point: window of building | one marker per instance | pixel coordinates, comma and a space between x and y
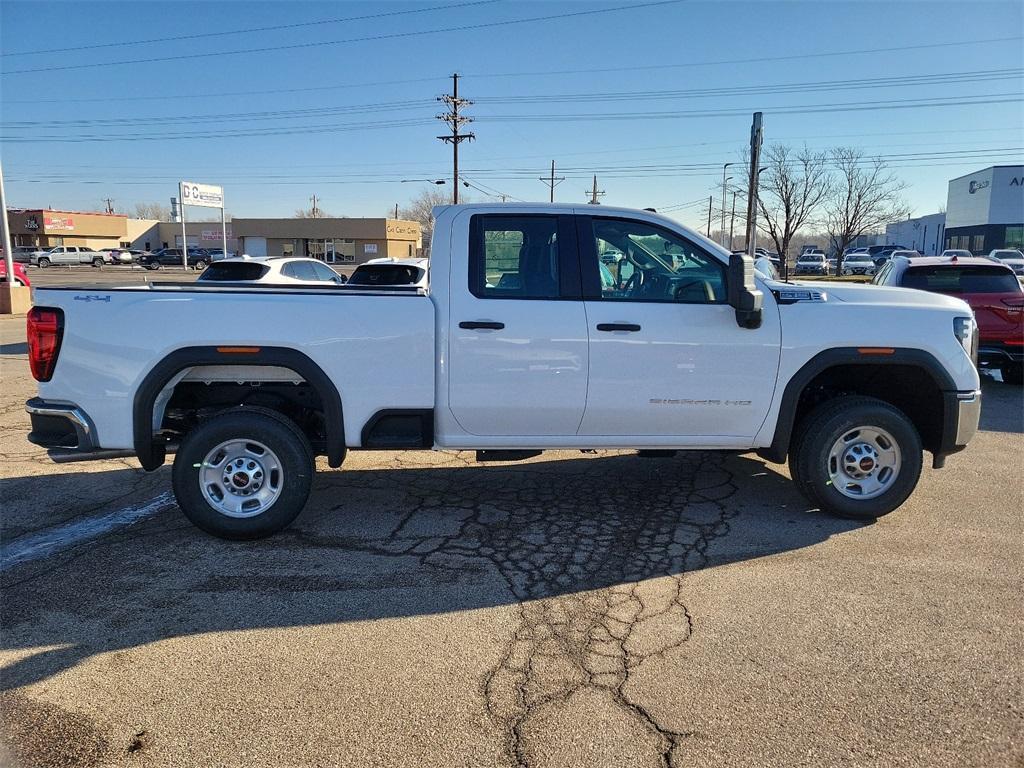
514, 257
288, 249
977, 243
1014, 237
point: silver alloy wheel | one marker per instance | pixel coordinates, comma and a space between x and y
864, 462
241, 478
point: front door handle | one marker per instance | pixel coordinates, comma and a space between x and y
631, 327
481, 325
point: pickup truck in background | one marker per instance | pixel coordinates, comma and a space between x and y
522, 341
69, 254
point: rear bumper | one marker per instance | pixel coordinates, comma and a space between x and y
66, 432
997, 353
961, 414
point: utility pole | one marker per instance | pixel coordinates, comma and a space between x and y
396, 210
314, 212
732, 219
724, 180
711, 204
110, 205
552, 182
756, 138
454, 121
14, 299
594, 194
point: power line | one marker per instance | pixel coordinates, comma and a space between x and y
364, 39
945, 78
250, 30
756, 60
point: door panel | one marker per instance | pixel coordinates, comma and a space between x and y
667, 357
517, 340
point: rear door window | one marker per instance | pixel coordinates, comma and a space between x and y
514, 257
966, 279
228, 272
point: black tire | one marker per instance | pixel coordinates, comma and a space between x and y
154, 266
1013, 373
823, 426
274, 431
43, 262
200, 264
98, 261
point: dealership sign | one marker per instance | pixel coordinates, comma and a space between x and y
205, 195
59, 222
215, 234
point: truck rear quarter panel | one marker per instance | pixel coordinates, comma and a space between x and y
377, 349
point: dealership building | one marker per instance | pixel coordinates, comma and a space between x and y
985, 209
344, 241
925, 234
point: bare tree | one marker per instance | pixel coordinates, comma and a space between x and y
308, 213
157, 211
421, 209
792, 189
867, 196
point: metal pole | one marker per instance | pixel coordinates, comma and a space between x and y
184, 234
732, 220
8, 255
723, 203
711, 203
223, 227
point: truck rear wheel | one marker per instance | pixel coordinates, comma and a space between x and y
856, 457
244, 474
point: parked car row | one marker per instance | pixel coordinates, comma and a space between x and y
80, 254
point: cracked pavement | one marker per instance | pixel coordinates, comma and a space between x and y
570, 610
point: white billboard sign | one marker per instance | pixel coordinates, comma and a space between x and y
206, 195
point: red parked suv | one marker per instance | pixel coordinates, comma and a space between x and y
992, 290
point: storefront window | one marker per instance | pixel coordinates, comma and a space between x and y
978, 243
1014, 237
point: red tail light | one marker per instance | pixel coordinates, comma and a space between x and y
45, 332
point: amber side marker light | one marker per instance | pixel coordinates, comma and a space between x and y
876, 350
238, 350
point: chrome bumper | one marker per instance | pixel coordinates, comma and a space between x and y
968, 416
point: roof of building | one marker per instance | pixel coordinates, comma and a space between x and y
986, 168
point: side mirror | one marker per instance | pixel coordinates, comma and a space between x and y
744, 296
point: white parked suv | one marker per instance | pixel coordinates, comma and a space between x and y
381, 272
1011, 257
274, 271
522, 341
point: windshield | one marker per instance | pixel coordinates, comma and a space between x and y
812, 257
941, 278
1009, 255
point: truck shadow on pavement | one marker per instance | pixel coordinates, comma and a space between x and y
585, 548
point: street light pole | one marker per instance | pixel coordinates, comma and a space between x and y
724, 180
14, 300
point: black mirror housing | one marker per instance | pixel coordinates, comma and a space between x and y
744, 295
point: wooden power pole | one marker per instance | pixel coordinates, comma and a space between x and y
552, 182
594, 194
455, 120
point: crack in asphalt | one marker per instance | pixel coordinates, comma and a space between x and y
595, 561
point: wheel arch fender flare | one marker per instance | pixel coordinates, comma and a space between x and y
842, 356
152, 454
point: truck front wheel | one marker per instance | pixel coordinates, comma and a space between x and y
856, 457
244, 474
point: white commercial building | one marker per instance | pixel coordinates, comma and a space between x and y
923, 234
985, 209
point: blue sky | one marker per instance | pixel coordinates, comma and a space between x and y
346, 148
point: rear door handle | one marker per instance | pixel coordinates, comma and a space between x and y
631, 327
481, 325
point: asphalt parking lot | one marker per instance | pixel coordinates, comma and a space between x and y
571, 610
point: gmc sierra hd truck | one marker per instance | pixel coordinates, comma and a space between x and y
541, 327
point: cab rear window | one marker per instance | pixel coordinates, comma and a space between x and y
966, 279
231, 271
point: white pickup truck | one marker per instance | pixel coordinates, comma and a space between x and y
524, 340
